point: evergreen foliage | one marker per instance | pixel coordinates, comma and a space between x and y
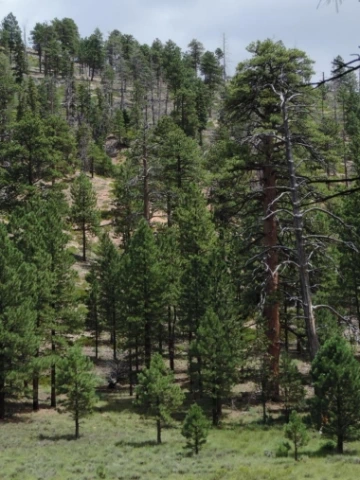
229, 230
336, 378
18, 340
78, 383
295, 431
83, 210
291, 387
195, 428
158, 393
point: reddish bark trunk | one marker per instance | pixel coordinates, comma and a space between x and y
271, 307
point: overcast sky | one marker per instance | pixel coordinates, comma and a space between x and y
321, 32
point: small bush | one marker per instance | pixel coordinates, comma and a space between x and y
101, 471
282, 450
328, 447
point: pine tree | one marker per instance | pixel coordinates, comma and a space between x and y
83, 210
27, 229
94, 321
158, 393
196, 239
30, 149
18, 341
180, 163
336, 379
62, 144
217, 345
168, 244
20, 67
195, 428
94, 52
211, 69
109, 282
127, 203
38, 37
78, 382
295, 431
291, 387
144, 295
9, 34
7, 92
196, 50
39, 230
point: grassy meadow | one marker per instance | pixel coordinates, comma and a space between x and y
117, 443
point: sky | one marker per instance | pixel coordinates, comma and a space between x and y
321, 32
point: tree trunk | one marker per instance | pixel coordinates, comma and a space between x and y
77, 426
286, 319
158, 427
166, 100
161, 335
137, 361
302, 258
130, 374
2, 399
216, 408
219, 407
53, 371
114, 334
146, 197
147, 343
84, 240
171, 340
96, 332
159, 97
36, 392
30, 172
296, 451
35, 382
340, 444
271, 308
264, 410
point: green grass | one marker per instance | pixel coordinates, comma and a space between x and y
117, 443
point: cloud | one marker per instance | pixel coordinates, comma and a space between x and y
321, 32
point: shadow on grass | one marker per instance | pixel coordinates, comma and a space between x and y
144, 443
21, 411
56, 438
79, 258
324, 452
114, 402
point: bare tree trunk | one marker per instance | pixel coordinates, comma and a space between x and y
271, 307
302, 258
166, 100
159, 97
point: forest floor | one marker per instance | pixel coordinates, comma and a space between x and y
117, 443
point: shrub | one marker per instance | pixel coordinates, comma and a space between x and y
282, 450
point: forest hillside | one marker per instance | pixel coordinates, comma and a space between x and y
179, 256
